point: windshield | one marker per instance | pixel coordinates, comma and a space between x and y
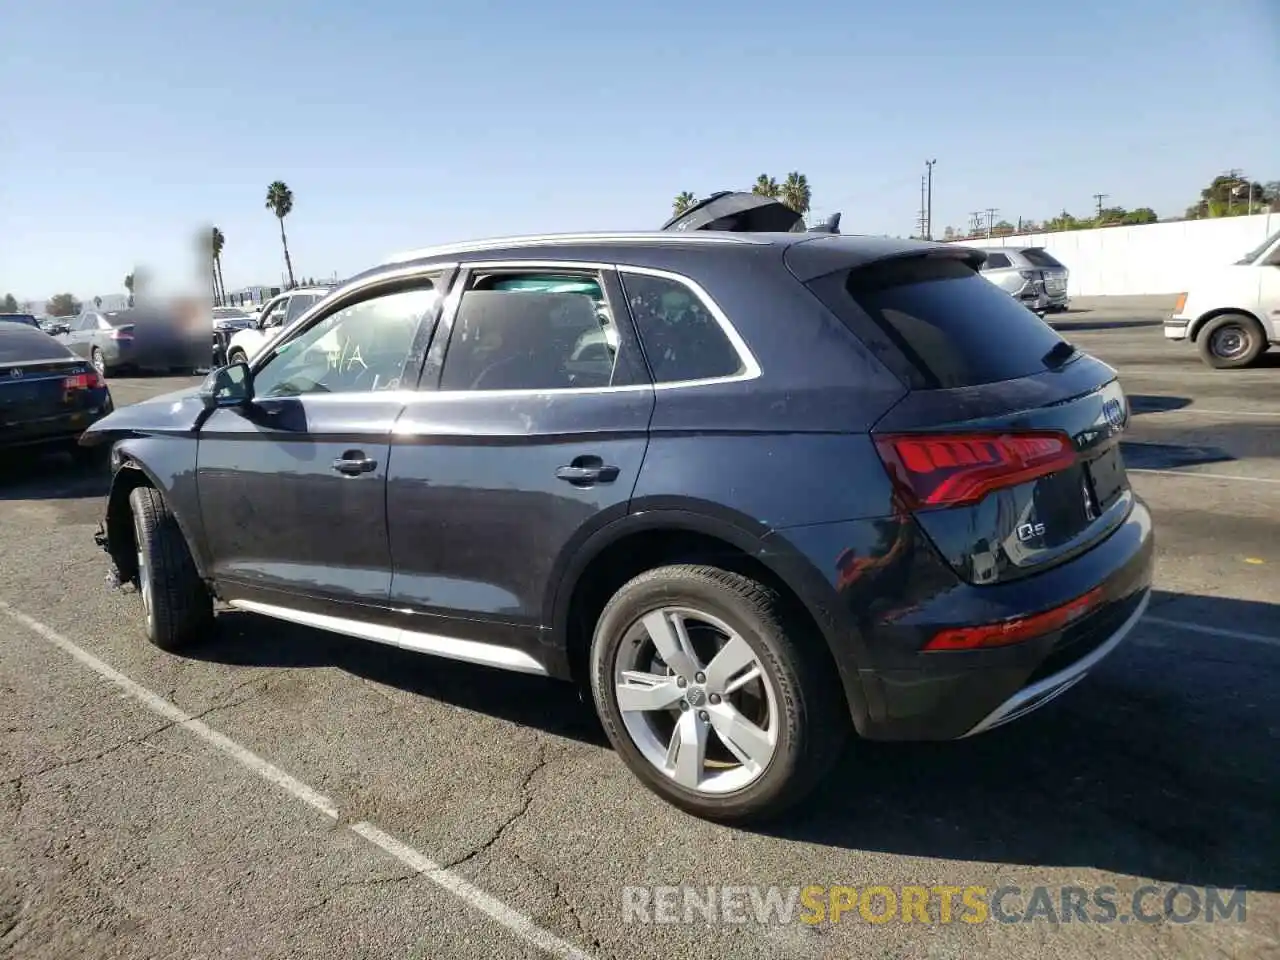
1259, 250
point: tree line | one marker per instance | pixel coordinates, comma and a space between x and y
1230, 194
793, 191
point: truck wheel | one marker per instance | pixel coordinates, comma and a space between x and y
178, 608
237, 356
713, 696
1232, 341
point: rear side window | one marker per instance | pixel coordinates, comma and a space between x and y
680, 336
996, 261
1039, 257
298, 304
944, 325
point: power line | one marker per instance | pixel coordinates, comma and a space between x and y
928, 209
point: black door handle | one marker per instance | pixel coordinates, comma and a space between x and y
354, 462
584, 471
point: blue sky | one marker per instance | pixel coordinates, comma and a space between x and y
127, 125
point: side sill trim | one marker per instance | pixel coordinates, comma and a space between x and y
468, 651
1038, 694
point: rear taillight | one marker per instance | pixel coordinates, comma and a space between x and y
82, 381
951, 470
1008, 632
121, 333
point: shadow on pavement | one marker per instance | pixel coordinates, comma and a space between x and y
1154, 403
1067, 326
1162, 764
51, 476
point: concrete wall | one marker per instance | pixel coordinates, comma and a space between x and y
1153, 258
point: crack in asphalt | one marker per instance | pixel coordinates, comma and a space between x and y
309, 908
526, 798
22, 779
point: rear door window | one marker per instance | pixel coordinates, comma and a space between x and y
298, 305
996, 261
937, 323
681, 338
1039, 257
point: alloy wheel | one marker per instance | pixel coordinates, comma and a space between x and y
696, 700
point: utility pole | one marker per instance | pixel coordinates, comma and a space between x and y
991, 219
975, 221
920, 220
1100, 197
928, 221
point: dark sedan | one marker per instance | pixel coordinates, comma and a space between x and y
24, 318
48, 395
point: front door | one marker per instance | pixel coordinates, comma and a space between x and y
293, 486
528, 433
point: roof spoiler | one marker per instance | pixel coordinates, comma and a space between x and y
829, 225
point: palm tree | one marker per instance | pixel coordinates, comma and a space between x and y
217, 241
765, 186
795, 192
128, 285
684, 201
280, 202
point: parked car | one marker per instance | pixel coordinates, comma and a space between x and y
48, 396
1031, 275
231, 318
750, 489
1232, 313
239, 345
139, 338
24, 318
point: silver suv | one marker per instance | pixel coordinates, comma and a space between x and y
1030, 274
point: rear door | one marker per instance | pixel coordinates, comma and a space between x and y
995, 394
527, 434
293, 487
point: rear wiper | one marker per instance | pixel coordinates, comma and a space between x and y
1062, 352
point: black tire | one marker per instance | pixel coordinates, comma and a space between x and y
237, 356
811, 718
1232, 341
99, 362
178, 607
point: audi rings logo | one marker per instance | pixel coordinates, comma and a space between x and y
1113, 411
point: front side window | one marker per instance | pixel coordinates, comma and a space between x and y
531, 332
274, 316
359, 349
682, 340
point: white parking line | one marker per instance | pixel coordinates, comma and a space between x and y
1274, 415
1205, 476
516, 922
1213, 631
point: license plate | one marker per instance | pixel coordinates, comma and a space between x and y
1107, 476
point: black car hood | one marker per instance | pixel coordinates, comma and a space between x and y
177, 412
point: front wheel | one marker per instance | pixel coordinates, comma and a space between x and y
715, 698
1232, 341
178, 608
237, 356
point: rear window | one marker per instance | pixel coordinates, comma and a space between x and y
938, 324
23, 343
26, 318
1039, 257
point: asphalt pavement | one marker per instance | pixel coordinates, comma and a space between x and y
285, 793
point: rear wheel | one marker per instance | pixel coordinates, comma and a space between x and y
237, 356
99, 361
1232, 341
711, 695
178, 608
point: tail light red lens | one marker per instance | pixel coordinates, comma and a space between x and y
83, 381
950, 470
121, 333
1009, 632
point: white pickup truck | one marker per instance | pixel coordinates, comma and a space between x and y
278, 312
1232, 312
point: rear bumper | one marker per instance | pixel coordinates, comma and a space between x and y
62, 428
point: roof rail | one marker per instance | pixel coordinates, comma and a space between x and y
556, 239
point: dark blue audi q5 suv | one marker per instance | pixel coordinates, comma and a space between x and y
753, 490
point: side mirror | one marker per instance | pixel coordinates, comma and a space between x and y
230, 386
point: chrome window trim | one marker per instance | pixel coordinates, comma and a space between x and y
751, 369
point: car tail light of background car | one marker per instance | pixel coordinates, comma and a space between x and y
122, 333
83, 381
